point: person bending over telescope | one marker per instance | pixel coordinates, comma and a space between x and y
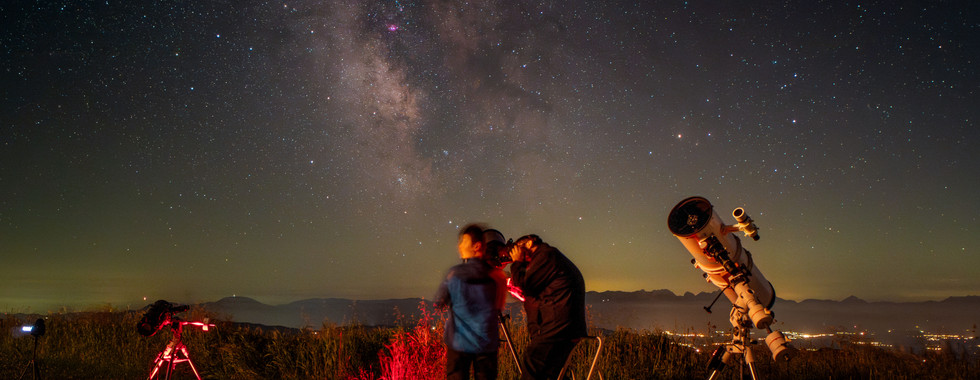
474, 292
554, 293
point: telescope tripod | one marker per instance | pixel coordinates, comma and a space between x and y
778, 345
32, 365
738, 346
175, 353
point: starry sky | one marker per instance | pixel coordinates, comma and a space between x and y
195, 150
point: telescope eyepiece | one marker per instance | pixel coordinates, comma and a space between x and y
739, 214
745, 223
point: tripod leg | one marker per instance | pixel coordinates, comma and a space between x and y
510, 344
595, 359
717, 361
187, 358
30, 366
162, 357
750, 361
171, 365
156, 367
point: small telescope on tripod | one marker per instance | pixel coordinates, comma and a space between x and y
158, 316
728, 265
36, 330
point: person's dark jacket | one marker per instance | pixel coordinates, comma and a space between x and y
554, 292
471, 294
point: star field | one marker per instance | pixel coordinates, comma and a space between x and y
306, 149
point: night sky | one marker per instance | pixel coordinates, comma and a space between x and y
196, 150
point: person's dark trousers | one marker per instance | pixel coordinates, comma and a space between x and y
458, 365
544, 360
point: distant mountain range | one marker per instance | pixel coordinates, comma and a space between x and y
665, 310
640, 310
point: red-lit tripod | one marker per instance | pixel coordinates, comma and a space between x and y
519, 295
176, 352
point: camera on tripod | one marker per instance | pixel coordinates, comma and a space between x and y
160, 314
36, 330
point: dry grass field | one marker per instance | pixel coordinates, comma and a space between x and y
106, 345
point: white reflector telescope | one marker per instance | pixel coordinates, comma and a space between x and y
720, 254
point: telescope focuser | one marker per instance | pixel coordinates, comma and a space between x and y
717, 251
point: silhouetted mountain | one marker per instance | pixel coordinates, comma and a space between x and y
316, 312
639, 310
853, 299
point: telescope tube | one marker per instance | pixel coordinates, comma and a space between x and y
694, 222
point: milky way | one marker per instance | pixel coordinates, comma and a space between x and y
307, 149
